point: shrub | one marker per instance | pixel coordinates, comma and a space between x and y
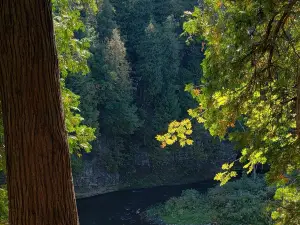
241, 202
189, 208
3, 206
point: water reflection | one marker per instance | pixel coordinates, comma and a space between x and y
124, 207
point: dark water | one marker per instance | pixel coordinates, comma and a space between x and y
123, 207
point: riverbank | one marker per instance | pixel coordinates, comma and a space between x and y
94, 190
238, 202
126, 206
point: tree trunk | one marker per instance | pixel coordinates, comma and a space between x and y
39, 179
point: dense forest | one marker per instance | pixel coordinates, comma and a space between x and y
158, 92
138, 71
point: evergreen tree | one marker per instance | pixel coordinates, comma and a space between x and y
110, 89
132, 18
118, 114
167, 104
149, 69
160, 65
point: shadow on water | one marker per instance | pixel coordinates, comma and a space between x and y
124, 207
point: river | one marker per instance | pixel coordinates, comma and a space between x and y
124, 207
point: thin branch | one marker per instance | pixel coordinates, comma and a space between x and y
290, 43
289, 100
242, 126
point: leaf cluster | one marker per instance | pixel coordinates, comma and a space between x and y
249, 89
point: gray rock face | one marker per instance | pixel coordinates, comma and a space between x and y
161, 168
95, 180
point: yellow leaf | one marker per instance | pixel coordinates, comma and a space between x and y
200, 120
159, 137
188, 125
189, 132
247, 165
225, 166
169, 142
182, 143
196, 92
163, 145
189, 142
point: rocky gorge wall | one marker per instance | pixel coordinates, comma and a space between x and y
154, 169
94, 179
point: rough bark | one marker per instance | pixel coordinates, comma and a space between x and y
39, 179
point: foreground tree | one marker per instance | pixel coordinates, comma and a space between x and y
250, 90
39, 180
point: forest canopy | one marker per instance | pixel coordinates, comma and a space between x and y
125, 69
